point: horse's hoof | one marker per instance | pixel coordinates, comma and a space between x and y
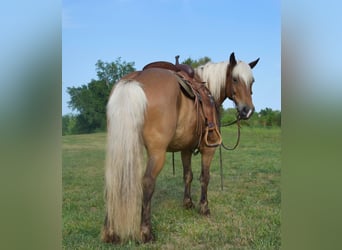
204, 210
188, 204
146, 235
110, 238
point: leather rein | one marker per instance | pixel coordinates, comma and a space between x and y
237, 121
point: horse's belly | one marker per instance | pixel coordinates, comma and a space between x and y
185, 137
184, 142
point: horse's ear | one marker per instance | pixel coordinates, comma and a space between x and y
252, 64
232, 60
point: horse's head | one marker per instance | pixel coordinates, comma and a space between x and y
239, 82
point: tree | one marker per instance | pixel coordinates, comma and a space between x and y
112, 72
68, 124
196, 63
90, 100
268, 117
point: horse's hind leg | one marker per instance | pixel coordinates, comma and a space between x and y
207, 156
187, 176
107, 235
155, 164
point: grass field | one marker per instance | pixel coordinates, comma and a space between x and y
245, 215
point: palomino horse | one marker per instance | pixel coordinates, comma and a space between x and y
147, 109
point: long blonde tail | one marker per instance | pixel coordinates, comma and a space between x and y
125, 159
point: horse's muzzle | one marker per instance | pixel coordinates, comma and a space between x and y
245, 112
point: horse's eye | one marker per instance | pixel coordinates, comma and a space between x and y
235, 79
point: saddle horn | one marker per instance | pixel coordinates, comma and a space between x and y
177, 58
184, 67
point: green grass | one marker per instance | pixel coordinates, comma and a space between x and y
245, 215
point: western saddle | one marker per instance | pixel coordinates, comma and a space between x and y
193, 88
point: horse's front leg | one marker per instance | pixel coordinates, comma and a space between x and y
187, 177
207, 156
154, 165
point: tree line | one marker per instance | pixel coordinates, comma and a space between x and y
90, 100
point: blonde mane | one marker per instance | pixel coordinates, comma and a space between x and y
214, 74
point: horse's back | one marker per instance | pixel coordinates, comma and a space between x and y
161, 87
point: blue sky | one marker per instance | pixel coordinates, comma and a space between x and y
146, 31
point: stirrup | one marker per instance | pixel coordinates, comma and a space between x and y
214, 130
